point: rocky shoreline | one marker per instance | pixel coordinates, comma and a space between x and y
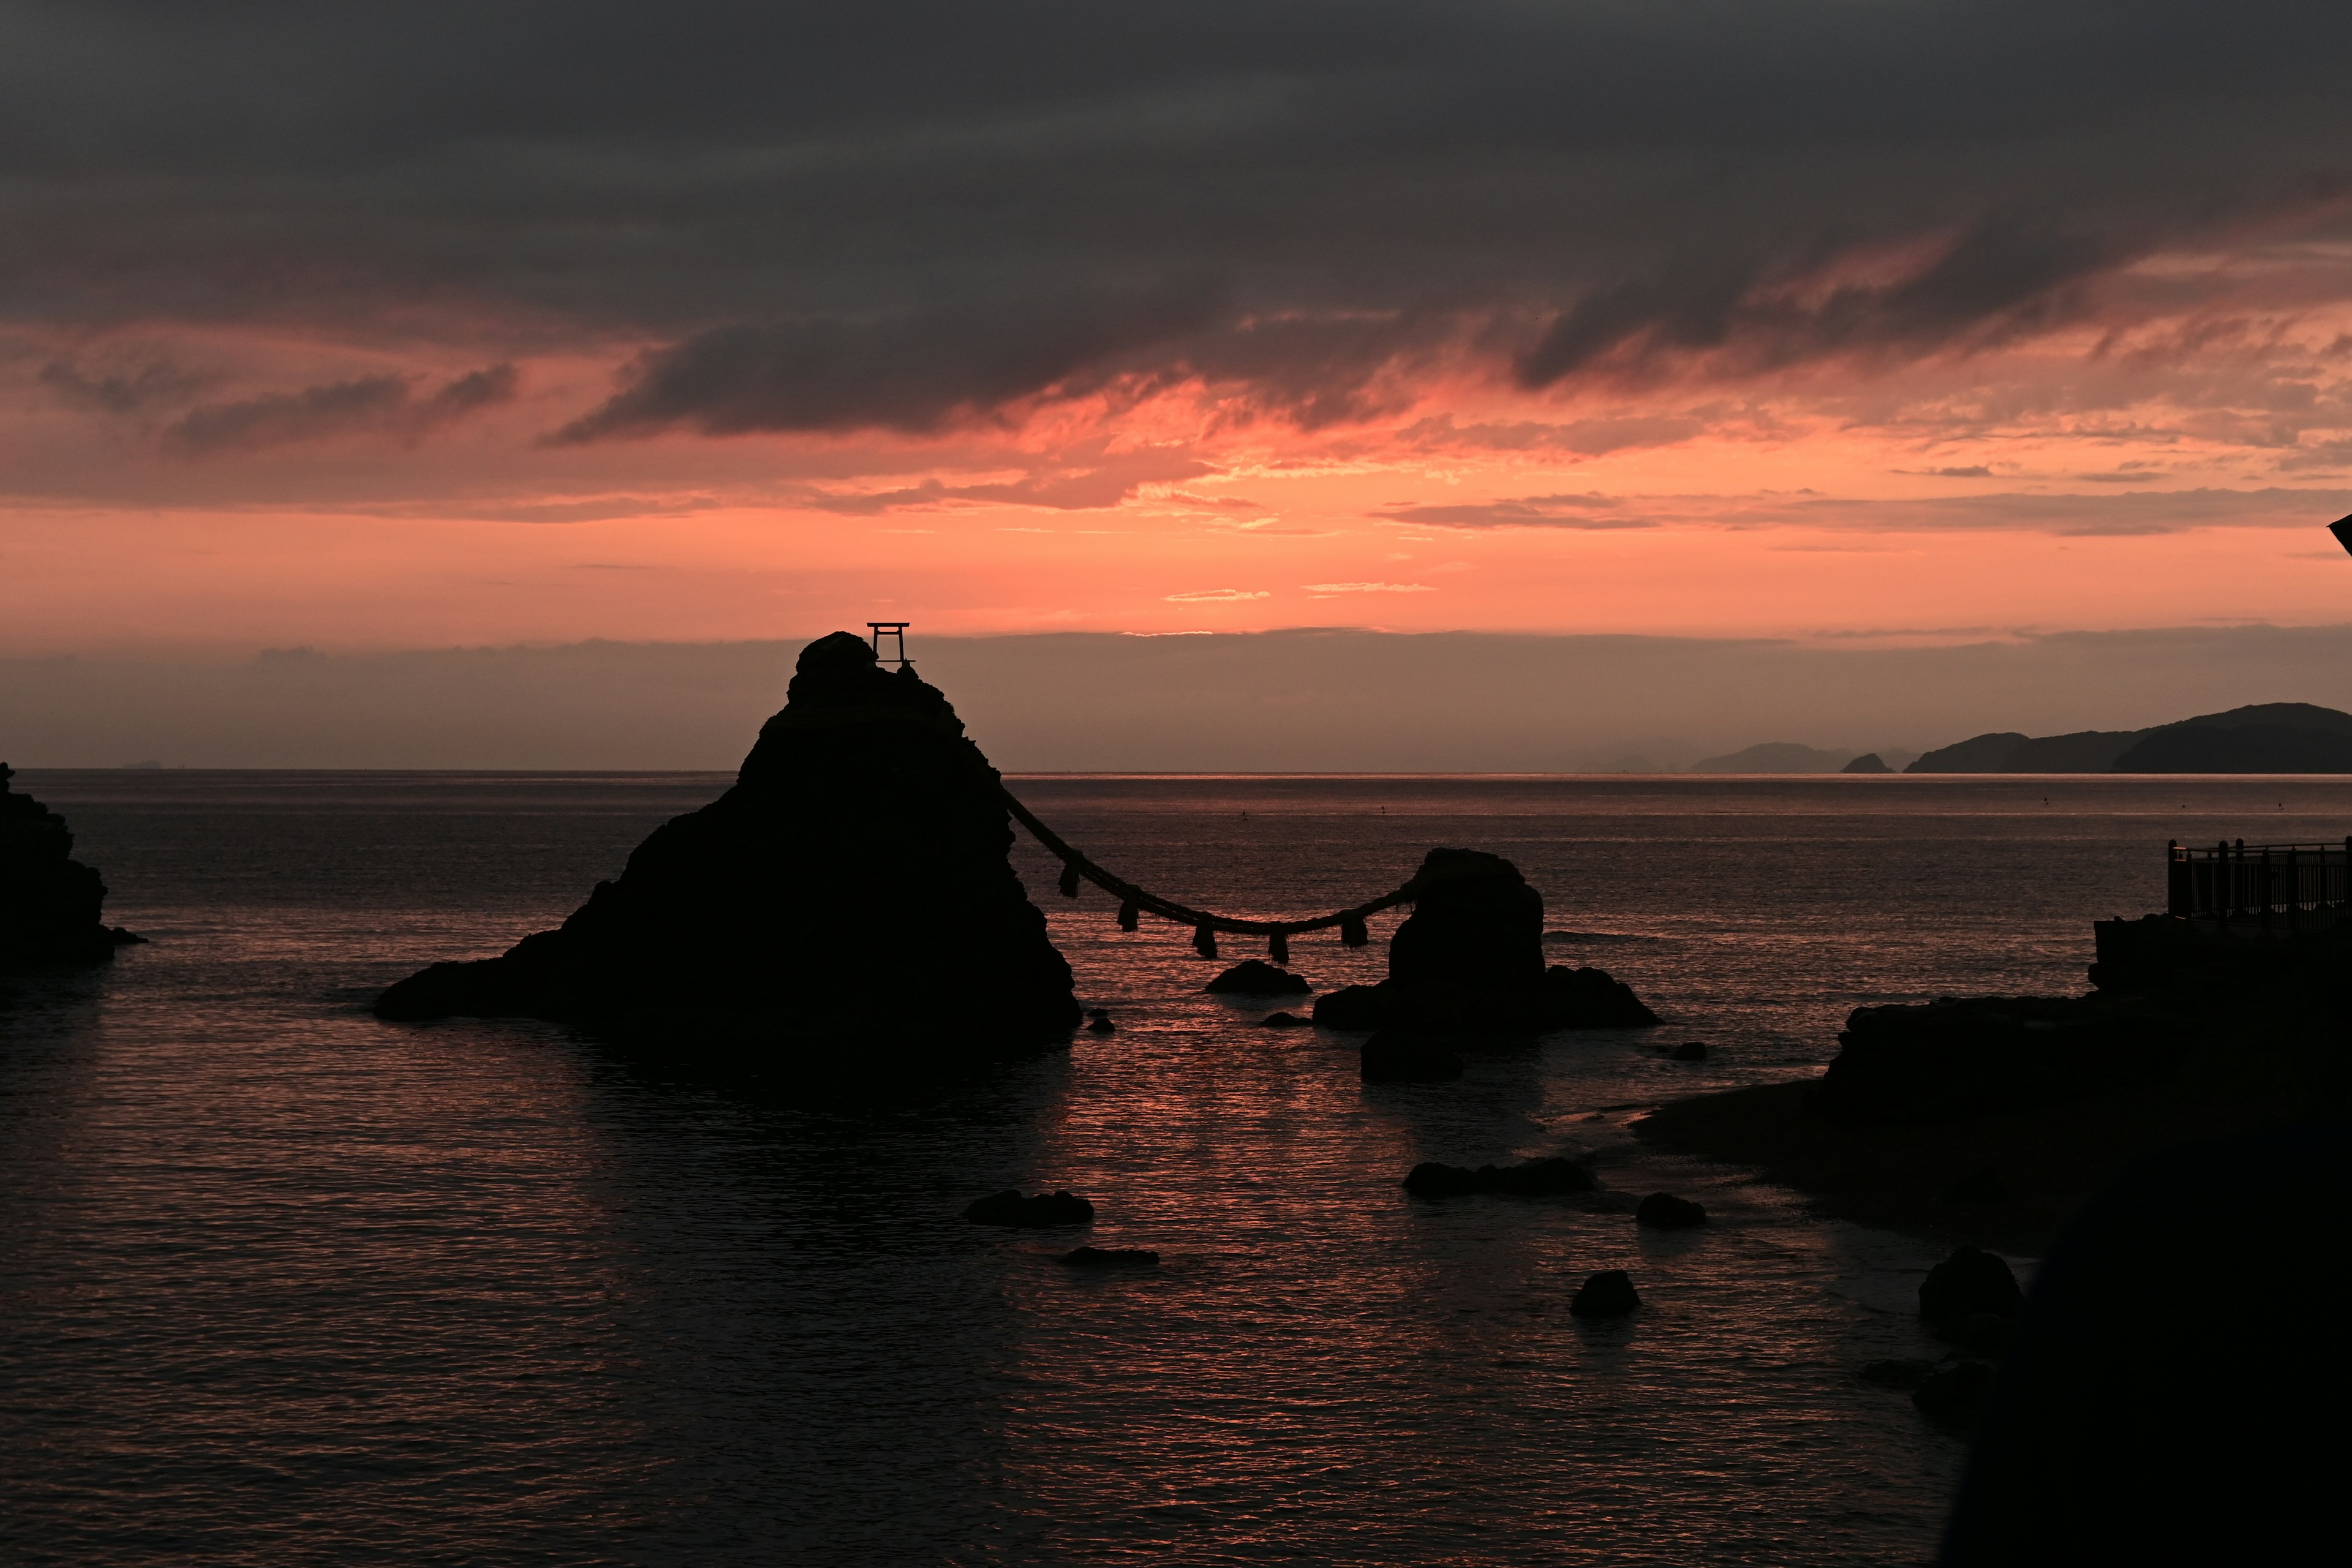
1994, 1120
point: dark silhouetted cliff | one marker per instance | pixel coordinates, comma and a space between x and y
852, 889
49, 902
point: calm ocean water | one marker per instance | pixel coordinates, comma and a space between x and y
279, 1283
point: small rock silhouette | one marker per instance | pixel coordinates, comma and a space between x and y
1689, 1051
1098, 1022
1111, 1258
1256, 977
1663, 1211
1970, 1280
1608, 1294
1284, 1021
1010, 1207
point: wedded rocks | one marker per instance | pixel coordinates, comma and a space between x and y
1663, 1211
1608, 1294
1970, 1281
49, 902
1469, 960
1256, 977
859, 864
1010, 1208
1532, 1178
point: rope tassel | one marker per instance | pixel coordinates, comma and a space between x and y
1204, 940
1130, 915
1069, 882
1277, 948
1352, 933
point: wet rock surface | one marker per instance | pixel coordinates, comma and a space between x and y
1665, 1210
1256, 977
50, 903
775, 918
1608, 1294
1533, 1178
1010, 1208
1469, 959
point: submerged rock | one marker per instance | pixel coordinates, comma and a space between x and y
1256, 977
1011, 1208
1111, 1258
49, 902
1608, 1294
1663, 1211
1469, 959
1284, 1021
1398, 1056
860, 859
1970, 1281
1533, 1178
1098, 1022
1689, 1051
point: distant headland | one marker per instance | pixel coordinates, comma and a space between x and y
2261, 738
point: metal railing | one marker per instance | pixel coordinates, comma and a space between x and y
2257, 882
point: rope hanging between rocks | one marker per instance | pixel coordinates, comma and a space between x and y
1133, 900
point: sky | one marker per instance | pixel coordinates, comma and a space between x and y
1885, 322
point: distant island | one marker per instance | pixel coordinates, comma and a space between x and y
2261, 738
1788, 757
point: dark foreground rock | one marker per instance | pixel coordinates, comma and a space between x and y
1971, 1281
1256, 977
1013, 1208
1469, 959
850, 898
1943, 1060
1663, 1211
1906, 1373
1402, 1055
1534, 1178
49, 902
1610, 1294
1958, 1394
1111, 1258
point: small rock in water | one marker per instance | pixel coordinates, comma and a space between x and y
1955, 1393
1905, 1374
1393, 1056
1284, 1021
1536, 1178
1608, 1294
1010, 1208
1970, 1280
1256, 977
1111, 1258
1981, 1186
1663, 1211
1689, 1051
1098, 1022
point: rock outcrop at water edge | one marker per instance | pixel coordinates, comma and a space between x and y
1469, 959
850, 895
49, 902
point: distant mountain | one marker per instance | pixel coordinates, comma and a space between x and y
2261, 738
1775, 757
1868, 763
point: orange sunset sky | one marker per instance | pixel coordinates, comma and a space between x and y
1855, 321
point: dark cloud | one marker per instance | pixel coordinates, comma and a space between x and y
373, 405
1586, 511
137, 389
2131, 512
842, 216
1078, 481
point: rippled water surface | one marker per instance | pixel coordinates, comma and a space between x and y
279, 1283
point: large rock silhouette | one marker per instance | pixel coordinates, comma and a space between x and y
1469, 959
853, 887
49, 902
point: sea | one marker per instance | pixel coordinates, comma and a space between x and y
281, 1283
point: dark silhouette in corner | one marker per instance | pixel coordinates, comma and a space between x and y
783, 914
49, 902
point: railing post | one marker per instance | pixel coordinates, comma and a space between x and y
2177, 892
2294, 887
2262, 885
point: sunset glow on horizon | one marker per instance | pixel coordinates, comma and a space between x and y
1934, 372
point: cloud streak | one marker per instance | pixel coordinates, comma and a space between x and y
384, 406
